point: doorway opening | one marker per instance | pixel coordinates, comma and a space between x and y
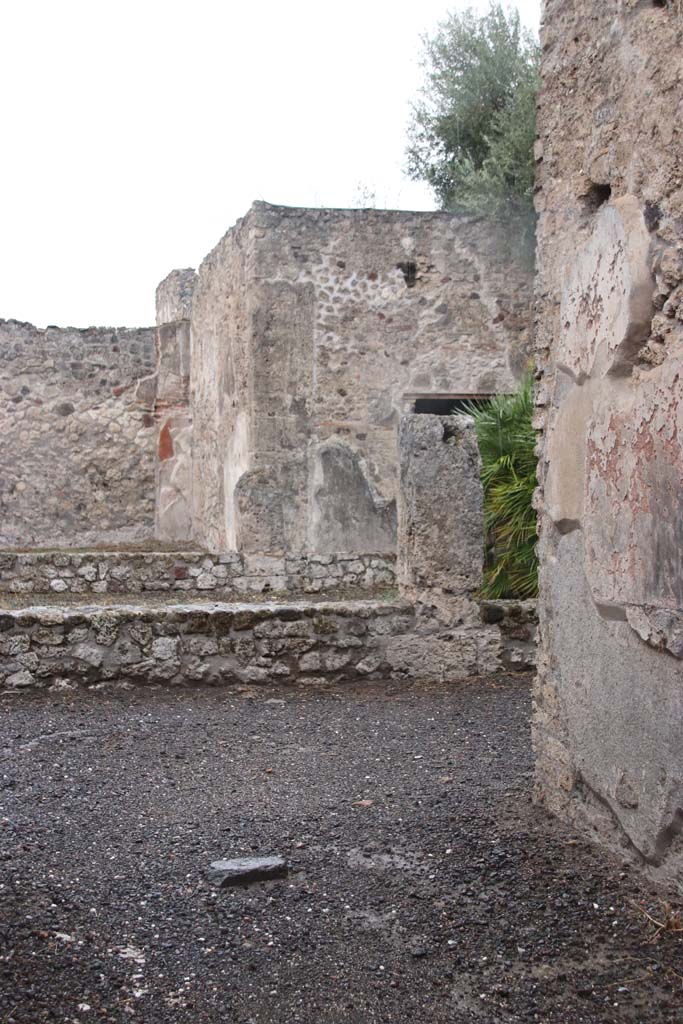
446, 405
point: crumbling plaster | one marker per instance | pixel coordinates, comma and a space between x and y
609, 696
310, 330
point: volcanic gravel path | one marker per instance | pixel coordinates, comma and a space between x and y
424, 885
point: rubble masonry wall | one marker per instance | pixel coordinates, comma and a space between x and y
78, 442
225, 577
311, 330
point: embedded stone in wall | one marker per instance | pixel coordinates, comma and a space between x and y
217, 644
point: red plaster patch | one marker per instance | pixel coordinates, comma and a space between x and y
165, 443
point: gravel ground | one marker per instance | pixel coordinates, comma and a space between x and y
424, 885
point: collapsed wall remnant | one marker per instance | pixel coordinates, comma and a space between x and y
312, 331
609, 697
77, 454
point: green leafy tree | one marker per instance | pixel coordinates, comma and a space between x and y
472, 132
507, 443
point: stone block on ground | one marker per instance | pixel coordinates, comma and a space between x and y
243, 870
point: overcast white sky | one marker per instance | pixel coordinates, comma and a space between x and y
135, 132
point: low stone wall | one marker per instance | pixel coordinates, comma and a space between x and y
217, 644
518, 624
227, 576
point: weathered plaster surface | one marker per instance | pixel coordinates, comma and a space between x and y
77, 452
173, 513
311, 329
609, 698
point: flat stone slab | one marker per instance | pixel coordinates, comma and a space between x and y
242, 870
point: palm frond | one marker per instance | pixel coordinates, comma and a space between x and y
507, 443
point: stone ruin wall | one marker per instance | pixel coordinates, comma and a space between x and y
310, 331
77, 459
247, 450
609, 697
433, 631
262, 415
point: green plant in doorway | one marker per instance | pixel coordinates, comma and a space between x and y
507, 443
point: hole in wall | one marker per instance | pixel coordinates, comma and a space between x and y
409, 271
660, 3
596, 197
653, 216
447, 405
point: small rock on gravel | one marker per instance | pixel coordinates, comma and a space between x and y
242, 870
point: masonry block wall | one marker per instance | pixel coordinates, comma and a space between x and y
609, 699
77, 457
312, 331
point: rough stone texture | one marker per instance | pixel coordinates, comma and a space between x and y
441, 550
186, 573
312, 331
77, 453
138, 641
434, 633
212, 643
441, 538
609, 698
518, 624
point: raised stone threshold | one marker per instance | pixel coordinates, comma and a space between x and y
226, 576
317, 642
